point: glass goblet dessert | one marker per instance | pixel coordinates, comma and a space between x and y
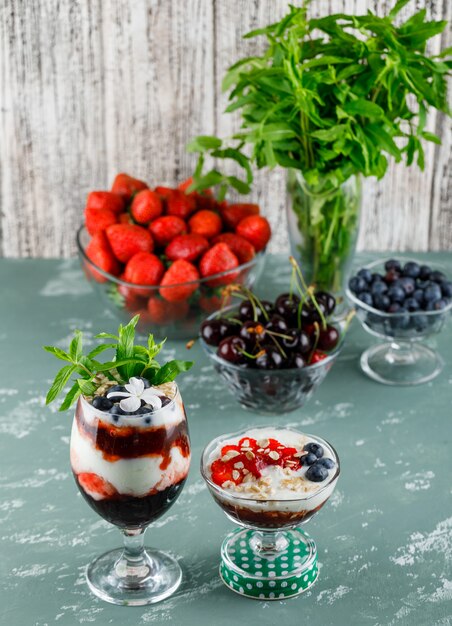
130, 456
269, 481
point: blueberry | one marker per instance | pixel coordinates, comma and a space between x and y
165, 400
418, 294
378, 288
115, 388
308, 459
102, 403
411, 269
408, 285
422, 284
366, 274
396, 294
432, 292
393, 264
143, 410
424, 272
411, 304
382, 302
116, 410
357, 284
420, 322
325, 462
437, 277
401, 320
436, 305
315, 448
147, 384
366, 297
376, 277
446, 288
317, 473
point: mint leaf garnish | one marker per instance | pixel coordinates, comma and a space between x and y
129, 360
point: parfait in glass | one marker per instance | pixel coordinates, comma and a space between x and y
130, 456
269, 481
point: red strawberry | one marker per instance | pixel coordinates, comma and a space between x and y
179, 272
128, 239
95, 486
317, 356
134, 298
126, 186
146, 206
162, 312
187, 247
209, 304
97, 220
256, 230
144, 269
206, 223
180, 204
105, 200
185, 184
165, 228
242, 248
219, 259
232, 214
99, 252
164, 192
124, 218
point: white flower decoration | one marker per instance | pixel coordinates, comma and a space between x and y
135, 392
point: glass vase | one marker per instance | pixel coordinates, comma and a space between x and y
323, 222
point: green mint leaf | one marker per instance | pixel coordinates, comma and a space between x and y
170, 370
87, 387
59, 383
71, 397
60, 354
203, 143
106, 336
364, 108
75, 348
100, 349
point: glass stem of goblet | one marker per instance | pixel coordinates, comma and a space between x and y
134, 565
268, 542
401, 353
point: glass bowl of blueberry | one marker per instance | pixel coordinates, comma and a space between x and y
274, 355
404, 303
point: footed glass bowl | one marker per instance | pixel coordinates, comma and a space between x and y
402, 358
269, 557
271, 392
161, 316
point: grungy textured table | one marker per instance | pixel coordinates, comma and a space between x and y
384, 540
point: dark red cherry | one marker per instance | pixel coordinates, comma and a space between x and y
286, 306
327, 299
317, 357
252, 332
270, 359
231, 350
297, 361
277, 324
214, 331
328, 338
291, 339
305, 342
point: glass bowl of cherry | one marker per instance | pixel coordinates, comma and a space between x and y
274, 355
404, 303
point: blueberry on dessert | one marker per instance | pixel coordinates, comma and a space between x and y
294, 331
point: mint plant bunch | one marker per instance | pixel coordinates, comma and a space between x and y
331, 97
129, 361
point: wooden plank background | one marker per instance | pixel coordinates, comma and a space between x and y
88, 89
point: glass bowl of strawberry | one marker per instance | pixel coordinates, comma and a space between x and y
167, 253
274, 355
269, 481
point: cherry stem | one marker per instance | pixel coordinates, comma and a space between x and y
316, 341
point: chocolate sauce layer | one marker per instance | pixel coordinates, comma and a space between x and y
266, 519
129, 442
132, 512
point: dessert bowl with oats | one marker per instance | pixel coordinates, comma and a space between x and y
269, 481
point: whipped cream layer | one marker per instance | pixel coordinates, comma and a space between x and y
119, 469
278, 488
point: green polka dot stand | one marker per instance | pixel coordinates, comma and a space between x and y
284, 574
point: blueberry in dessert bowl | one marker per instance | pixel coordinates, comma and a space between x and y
130, 456
273, 355
402, 302
269, 481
